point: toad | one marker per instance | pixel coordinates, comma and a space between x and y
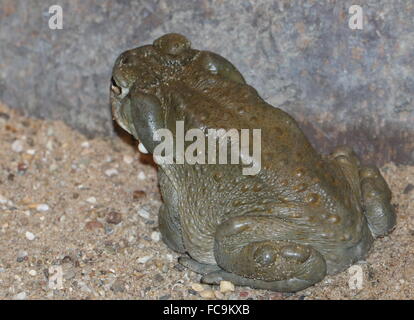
301, 217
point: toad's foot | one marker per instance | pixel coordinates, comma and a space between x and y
263, 264
370, 188
376, 198
196, 266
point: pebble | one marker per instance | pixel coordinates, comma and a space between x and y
30, 236
118, 286
31, 152
226, 286
94, 224
197, 287
277, 296
70, 274
21, 256
165, 297
143, 213
408, 273
4, 116
85, 144
192, 292
158, 278
42, 207
164, 268
49, 145
20, 296
408, 188
128, 159
108, 230
156, 236
114, 217
179, 267
66, 259
207, 294
218, 294
17, 146
138, 194
144, 259
33, 273
22, 167
111, 172
3, 200
84, 287
142, 176
91, 200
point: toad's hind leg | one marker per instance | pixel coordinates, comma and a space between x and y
248, 259
376, 197
370, 189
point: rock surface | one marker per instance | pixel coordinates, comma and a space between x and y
342, 85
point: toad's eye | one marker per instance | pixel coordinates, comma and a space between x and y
126, 60
115, 88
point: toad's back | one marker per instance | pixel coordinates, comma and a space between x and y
295, 183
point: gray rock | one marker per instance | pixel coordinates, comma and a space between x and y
342, 85
118, 286
70, 274
20, 296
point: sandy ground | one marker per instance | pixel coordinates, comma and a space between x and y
78, 220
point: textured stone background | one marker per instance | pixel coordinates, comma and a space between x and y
342, 85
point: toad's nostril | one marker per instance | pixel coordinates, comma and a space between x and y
115, 88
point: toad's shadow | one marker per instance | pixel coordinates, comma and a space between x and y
145, 159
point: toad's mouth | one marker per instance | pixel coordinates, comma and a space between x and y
121, 111
121, 107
